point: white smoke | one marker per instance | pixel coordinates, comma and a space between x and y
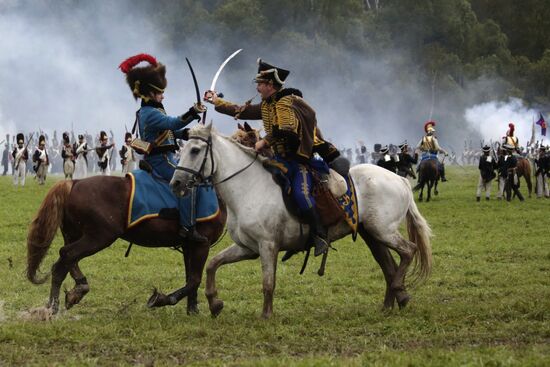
491, 120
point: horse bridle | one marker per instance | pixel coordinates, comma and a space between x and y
198, 176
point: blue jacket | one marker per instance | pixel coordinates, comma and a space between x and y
161, 130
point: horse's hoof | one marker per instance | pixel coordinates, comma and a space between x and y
158, 299
71, 299
193, 310
402, 300
388, 305
216, 307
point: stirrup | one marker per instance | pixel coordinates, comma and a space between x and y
191, 234
321, 246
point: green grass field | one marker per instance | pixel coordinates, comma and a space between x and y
487, 302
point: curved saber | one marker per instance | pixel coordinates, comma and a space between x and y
194, 81
213, 85
196, 89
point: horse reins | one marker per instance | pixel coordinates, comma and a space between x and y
199, 174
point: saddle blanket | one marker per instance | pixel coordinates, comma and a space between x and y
347, 202
149, 195
426, 156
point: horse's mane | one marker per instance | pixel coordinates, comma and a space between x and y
203, 132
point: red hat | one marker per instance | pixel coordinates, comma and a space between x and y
429, 126
143, 80
511, 129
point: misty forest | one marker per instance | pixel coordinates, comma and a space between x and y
382, 65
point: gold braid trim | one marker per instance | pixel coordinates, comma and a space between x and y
285, 117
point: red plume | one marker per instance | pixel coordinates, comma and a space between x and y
512, 127
427, 124
130, 62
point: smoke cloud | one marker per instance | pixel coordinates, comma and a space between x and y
490, 120
61, 73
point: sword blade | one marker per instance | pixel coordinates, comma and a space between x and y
194, 81
217, 75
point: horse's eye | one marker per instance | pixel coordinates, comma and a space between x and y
195, 151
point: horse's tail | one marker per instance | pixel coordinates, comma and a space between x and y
420, 233
44, 226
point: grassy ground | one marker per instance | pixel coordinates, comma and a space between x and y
486, 303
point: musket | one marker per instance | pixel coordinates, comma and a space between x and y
26, 146
199, 103
455, 161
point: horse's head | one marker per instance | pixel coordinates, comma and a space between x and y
196, 164
246, 135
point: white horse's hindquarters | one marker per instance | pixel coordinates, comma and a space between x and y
383, 198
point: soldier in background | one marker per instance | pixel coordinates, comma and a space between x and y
41, 160
5, 155
386, 160
104, 154
543, 168
67, 153
20, 156
361, 153
81, 162
375, 155
487, 166
507, 167
406, 161
127, 155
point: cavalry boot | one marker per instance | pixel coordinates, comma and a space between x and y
442, 173
318, 231
191, 234
288, 255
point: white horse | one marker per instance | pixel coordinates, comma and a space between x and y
260, 224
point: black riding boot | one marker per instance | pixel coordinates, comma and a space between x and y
442, 172
318, 231
190, 233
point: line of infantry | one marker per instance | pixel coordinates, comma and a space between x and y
70, 156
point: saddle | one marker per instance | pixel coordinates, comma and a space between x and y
326, 191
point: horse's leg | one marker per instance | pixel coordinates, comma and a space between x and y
194, 257
81, 288
435, 188
430, 184
406, 250
69, 256
421, 191
268, 258
233, 253
529, 183
387, 263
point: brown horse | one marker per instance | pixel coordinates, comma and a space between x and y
523, 169
92, 213
428, 174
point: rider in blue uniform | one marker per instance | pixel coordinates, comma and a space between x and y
158, 131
